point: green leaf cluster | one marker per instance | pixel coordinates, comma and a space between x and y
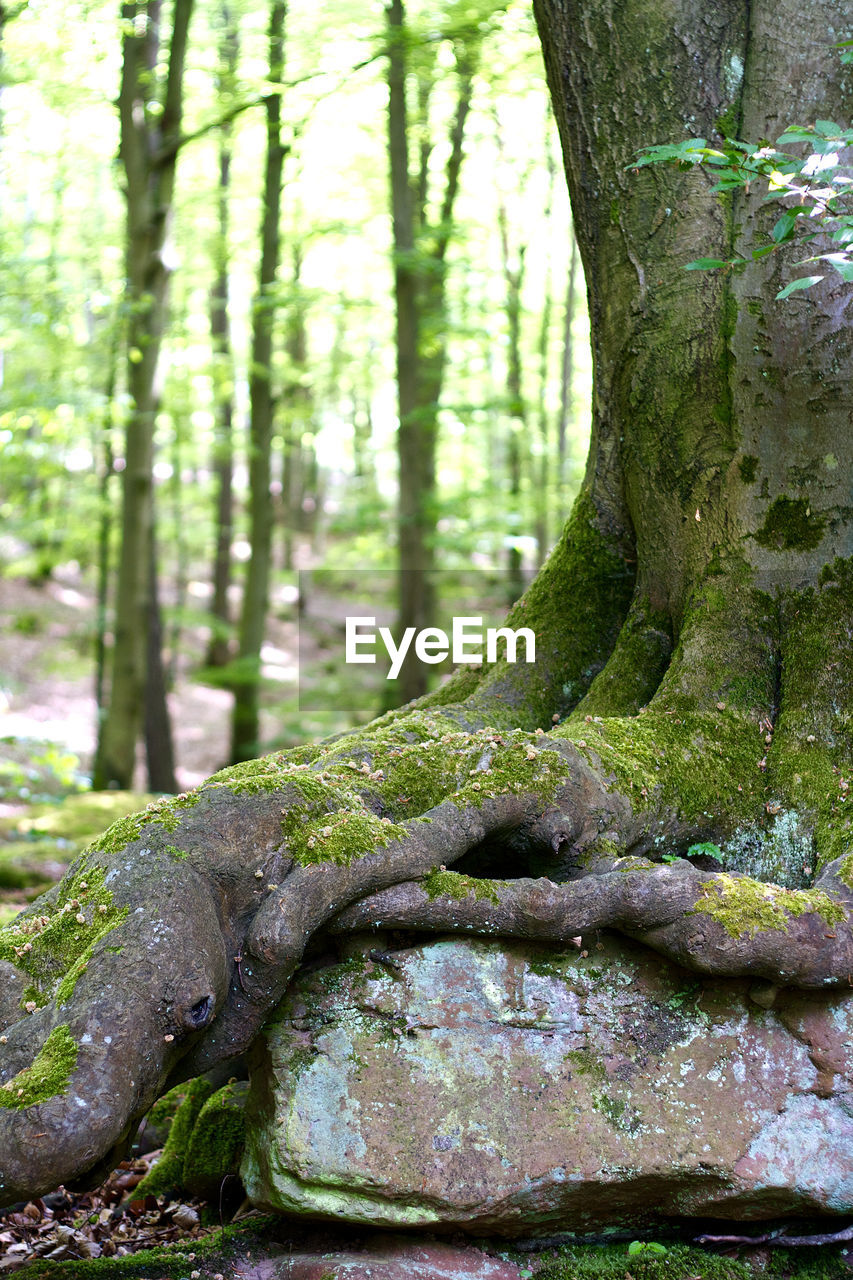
813, 183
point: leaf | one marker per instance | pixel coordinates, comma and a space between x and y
647, 1247
795, 133
763, 251
842, 264
705, 264
707, 848
689, 150
804, 282
827, 128
784, 226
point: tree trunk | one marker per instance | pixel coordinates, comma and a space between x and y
420, 254
245, 731
148, 152
568, 363
223, 446
159, 750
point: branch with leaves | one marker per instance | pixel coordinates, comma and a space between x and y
814, 187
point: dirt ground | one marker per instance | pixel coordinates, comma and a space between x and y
47, 676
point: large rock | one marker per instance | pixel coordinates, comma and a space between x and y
509, 1088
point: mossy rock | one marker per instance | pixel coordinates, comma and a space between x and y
215, 1147
204, 1144
166, 1177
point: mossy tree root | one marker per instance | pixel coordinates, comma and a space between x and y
713, 923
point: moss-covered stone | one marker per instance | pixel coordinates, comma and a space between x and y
48, 1076
216, 1142
166, 1177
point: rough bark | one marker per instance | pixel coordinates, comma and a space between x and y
693, 689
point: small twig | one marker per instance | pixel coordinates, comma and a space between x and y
383, 958
781, 1240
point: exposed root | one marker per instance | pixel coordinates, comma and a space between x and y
781, 1241
712, 923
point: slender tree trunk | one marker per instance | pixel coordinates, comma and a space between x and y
568, 363
420, 253
159, 750
105, 526
245, 731
516, 436
220, 333
414, 443
297, 416
541, 467
148, 152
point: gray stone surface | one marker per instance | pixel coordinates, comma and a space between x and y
515, 1089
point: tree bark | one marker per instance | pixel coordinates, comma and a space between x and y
245, 722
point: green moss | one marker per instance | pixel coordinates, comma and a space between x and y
166, 1177
359, 793
165, 812
692, 764
586, 1064
634, 668
174, 852
53, 942
572, 644
268, 773
450, 884
216, 1143
790, 524
742, 905
845, 871
748, 468
49, 1075
613, 1262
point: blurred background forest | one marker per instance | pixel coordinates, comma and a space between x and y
283, 289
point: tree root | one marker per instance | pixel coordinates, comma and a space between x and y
790, 938
780, 1240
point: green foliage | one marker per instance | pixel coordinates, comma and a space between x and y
813, 184
708, 849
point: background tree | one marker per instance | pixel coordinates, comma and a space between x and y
150, 141
223, 449
244, 723
422, 230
